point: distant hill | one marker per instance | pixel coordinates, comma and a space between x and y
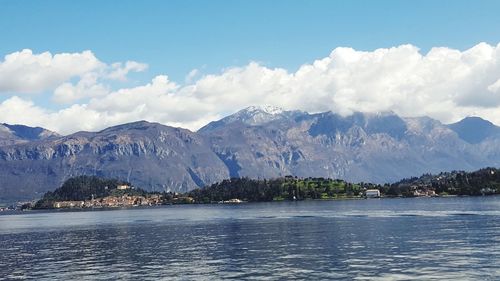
475, 129
82, 188
256, 142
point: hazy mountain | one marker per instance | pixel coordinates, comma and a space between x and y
257, 142
475, 129
15, 134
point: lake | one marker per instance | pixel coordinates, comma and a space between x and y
376, 239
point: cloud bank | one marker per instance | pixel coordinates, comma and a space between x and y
445, 84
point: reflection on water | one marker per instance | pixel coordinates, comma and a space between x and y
400, 239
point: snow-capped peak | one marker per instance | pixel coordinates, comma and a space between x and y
269, 109
256, 115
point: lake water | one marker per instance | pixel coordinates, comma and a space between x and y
379, 239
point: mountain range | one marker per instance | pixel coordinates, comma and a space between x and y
256, 142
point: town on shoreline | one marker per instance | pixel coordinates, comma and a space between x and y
90, 192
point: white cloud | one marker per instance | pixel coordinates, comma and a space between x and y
16, 110
192, 75
72, 76
445, 83
25, 72
120, 70
88, 86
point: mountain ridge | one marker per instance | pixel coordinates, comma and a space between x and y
16, 134
254, 142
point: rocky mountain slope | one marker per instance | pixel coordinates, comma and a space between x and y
361, 147
150, 155
257, 142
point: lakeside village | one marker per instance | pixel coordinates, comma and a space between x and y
95, 192
127, 200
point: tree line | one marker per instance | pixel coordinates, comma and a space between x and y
482, 182
286, 188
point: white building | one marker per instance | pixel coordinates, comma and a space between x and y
123, 187
372, 193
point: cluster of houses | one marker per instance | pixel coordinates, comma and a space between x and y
420, 190
112, 201
125, 200
423, 191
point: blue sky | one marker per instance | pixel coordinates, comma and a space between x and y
243, 53
174, 37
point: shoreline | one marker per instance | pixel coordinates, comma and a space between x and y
79, 209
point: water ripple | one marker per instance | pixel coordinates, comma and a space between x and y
433, 239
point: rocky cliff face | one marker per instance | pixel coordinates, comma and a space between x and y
151, 156
361, 147
255, 142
